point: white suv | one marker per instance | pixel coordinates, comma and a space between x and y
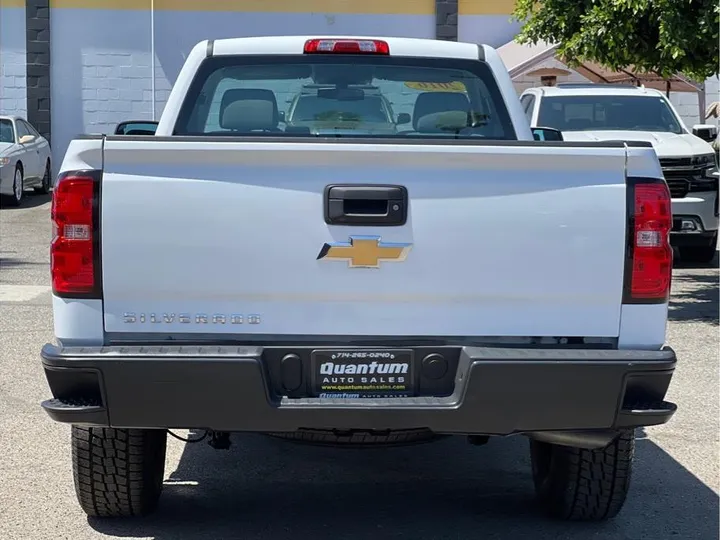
584, 112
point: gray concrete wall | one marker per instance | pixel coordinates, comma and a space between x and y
37, 56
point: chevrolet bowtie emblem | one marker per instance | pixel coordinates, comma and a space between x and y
364, 252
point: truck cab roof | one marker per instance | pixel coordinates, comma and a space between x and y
594, 89
291, 45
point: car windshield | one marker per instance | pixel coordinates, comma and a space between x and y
355, 96
603, 113
6, 131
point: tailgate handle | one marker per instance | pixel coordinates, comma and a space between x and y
365, 205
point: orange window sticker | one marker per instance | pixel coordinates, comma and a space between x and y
454, 86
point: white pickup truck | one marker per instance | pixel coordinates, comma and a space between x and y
327, 283
602, 112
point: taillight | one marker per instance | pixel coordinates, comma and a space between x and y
346, 46
74, 248
650, 257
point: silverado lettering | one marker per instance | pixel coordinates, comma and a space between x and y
187, 318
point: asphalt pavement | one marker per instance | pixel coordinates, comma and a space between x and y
267, 489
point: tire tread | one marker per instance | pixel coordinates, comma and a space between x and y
118, 472
589, 485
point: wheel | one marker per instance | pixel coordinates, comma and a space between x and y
700, 254
576, 484
18, 187
44, 189
118, 472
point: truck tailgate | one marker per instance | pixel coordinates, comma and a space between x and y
210, 236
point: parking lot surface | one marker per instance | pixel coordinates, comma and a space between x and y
267, 489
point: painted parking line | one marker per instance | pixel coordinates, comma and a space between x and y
21, 293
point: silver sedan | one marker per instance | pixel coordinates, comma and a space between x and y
24, 159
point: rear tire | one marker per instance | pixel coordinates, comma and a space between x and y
44, 189
575, 484
118, 472
700, 254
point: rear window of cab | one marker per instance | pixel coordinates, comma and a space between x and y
344, 95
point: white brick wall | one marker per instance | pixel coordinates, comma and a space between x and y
687, 103
103, 74
116, 86
12, 81
12, 62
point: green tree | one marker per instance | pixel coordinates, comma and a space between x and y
662, 36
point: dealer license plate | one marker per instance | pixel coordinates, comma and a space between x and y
363, 373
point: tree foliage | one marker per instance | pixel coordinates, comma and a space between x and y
662, 36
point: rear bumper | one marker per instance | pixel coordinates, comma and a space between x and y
494, 391
693, 238
699, 207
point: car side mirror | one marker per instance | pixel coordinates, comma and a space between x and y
706, 132
403, 118
26, 139
546, 134
281, 116
140, 127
